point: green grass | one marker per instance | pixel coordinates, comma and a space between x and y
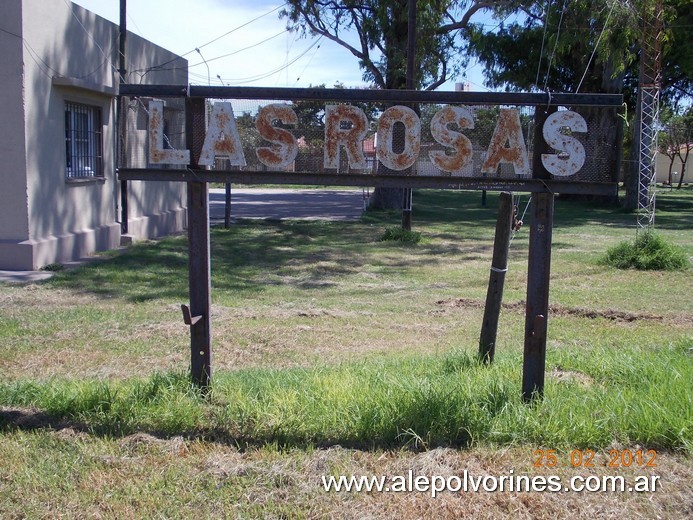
326, 336
632, 396
397, 234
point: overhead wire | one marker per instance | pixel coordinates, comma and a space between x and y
240, 50
160, 65
555, 46
264, 75
239, 27
307, 64
74, 15
596, 46
543, 40
44, 67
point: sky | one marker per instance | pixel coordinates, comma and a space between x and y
253, 47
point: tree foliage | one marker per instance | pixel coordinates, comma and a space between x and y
554, 47
677, 58
585, 46
381, 31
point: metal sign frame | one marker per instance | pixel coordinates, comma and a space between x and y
541, 186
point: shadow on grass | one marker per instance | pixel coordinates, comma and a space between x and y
30, 420
253, 255
418, 412
242, 259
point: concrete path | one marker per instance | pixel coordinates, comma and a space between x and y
276, 204
24, 276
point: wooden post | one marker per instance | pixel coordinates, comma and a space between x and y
227, 205
406, 208
538, 273
499, 266
199, 265
410, 84
536, 314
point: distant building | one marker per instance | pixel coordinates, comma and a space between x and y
663, 161
59, 197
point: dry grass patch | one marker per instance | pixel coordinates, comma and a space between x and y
145, 476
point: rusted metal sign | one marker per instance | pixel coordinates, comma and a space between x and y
454, 139
463, 144
346, 128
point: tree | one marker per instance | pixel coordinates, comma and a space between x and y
674, 140
586, 45
677, 58
569, 46
381, 29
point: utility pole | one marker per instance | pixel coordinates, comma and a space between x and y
122, 31
411, 64
649, 85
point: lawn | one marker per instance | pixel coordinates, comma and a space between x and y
336, 353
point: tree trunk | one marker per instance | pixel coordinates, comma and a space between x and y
395, 78
386, 198
684, 160
671, 169
630, 181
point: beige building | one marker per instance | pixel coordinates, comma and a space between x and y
662, 163
59, 197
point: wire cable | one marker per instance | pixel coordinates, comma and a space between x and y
239, 50
250, 79
555, 45
596, 46
160, 65
543, 40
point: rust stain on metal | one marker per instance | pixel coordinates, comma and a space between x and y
225, 145
397, 143
411, 138
557, 132
462, 146
350, 138
284, 149
222, 137
157, 153
508, 130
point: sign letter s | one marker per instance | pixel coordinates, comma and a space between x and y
571, 153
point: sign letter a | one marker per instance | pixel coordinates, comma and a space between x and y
222, 139
508, 130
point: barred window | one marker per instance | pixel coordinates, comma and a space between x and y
83, 141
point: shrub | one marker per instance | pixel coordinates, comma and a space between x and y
53, 267
649, 251
398, 234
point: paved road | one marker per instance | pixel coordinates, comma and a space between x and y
276, 204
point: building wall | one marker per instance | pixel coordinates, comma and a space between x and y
662, 163
14, 216
71, 55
